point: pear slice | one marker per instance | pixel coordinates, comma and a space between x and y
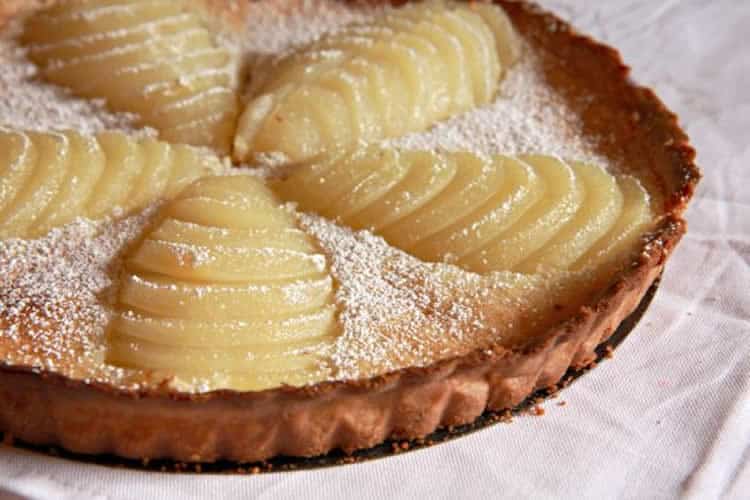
520, 189
427, 61
477, 180
156, 59
225, 287
611, 250
597, 214
18, 158
52, 178
563, 196
41, 187
500, 213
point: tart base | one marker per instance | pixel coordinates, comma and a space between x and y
48, 409
43, 408
386, 449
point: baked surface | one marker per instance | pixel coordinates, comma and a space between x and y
409, 402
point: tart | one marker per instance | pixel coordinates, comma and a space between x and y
409, 235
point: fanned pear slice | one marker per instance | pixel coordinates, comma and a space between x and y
424, 75
176, 231
371, 187
484, 214
64, 20
437, 97
563, 196
154, 176
53, 178
120, 150
508, 44
226, 283
353, 87
341, 176
454, 59
87, 164
145, 89
82, 72
612, 249
18, 157
172, 297
476, 180
484, 62
121, 50
203, 210
408, 56
393, 101
293, 69
227, 333
190, 360
84, 44
389, 172
597, 214
301, 124
230, 264
521, 188
41, 187
427, 177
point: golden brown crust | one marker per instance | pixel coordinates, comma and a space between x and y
45, 408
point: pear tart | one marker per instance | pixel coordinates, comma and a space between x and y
434, 210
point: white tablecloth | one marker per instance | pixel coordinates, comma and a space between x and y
669, 417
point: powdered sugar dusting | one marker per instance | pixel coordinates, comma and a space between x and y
56, 293
27, 103
526, 117
274, 26
398, 311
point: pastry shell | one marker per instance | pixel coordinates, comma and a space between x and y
46, 408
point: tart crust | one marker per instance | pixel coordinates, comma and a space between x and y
46, 408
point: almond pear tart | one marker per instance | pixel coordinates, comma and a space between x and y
241, 230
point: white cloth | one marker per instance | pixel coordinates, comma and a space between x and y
668, 417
